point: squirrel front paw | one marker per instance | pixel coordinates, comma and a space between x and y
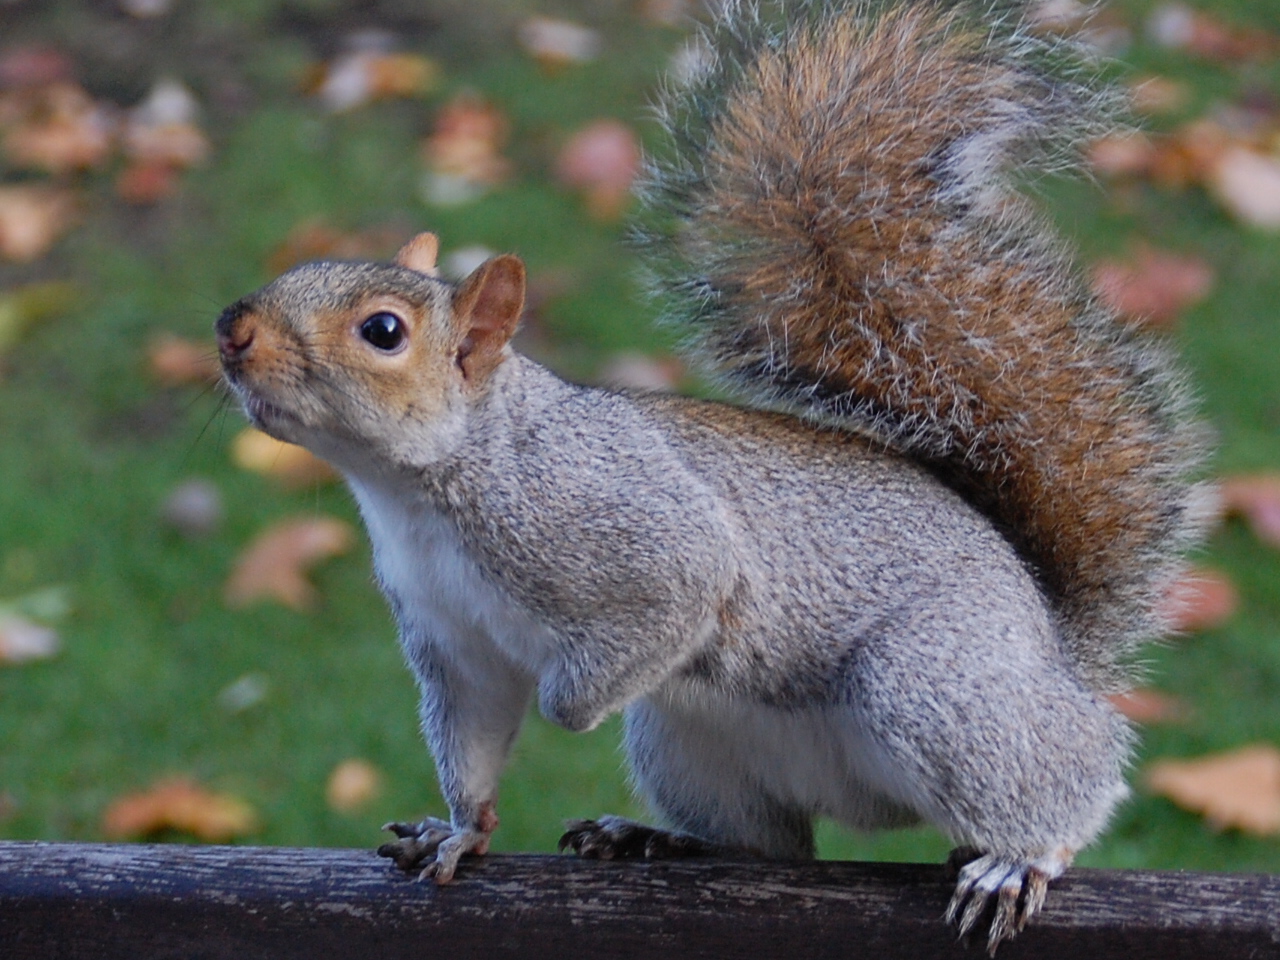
617, 838
433, 847
1016, 887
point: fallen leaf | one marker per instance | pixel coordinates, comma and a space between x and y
362, 76
179, 803
1199, 600
1125, 155
1153, 286
602, 161
144, 182
193, 508
464, 153
274, 565
1179, 27
292, 465
1239, 789
1155, 94
352, 785
23, 308
34, 66
1247, 183
23, 640
176, 361
1147, 706
32, 218
558, 43
1257, 499
60, 128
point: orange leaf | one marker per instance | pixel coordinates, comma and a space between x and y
1257, 499
362, 76
292, 465
1236, 789
1149, 706
179, 803
353, 784
176, 361
1153, 287
463, 154
61, 129
274, 565
1200, 600
146, 181
32, 218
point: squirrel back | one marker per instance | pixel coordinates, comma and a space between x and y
837, 225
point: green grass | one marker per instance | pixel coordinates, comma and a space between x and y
91, 446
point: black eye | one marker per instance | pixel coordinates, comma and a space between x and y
384, 330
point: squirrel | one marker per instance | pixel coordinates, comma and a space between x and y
893, 580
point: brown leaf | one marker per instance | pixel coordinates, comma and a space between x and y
1154, 286
1148, 706
1128, 155
1155, 94
352, 785
316, 239
1236, 789
146, 182
363, 76
1200, 600
602, 160
59, 129
1257, 499
463, 154
274, 565
163, 128
22, 640
32, 218
292, 465
1179, 27
176, 361
179, 803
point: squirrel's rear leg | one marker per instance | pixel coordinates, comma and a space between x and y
1015, 888
617, 838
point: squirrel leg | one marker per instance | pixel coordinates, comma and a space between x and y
1016, 888
716, 806
472, 705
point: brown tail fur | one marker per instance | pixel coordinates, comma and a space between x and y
847, 243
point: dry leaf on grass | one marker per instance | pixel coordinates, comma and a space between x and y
176, 361
181, 804
59, 128
464, 153
1179, 27
290, 464
1247, 183
1153, 286
1236, 789
1199, 600
363, 76
32, 218
1156, 94
352, 785
601, 160
1257, 499
1147, 706
274, 565
193, 508
558, 43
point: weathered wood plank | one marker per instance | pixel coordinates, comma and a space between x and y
150, 901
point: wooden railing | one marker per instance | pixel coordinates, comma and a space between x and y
141, 902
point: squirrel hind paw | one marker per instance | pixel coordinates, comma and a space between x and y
432, 848
1010, 890
616, 838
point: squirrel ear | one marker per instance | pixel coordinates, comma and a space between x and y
486, 310
420, 254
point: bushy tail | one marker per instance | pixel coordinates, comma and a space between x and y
838, 226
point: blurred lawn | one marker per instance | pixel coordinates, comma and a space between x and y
92, 446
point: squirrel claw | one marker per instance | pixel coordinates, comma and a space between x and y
432, 847
611, 838
1013, 889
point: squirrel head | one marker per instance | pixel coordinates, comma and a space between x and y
361, 362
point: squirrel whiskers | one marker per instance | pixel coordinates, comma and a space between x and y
839, 229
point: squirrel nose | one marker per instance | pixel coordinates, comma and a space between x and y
235, 334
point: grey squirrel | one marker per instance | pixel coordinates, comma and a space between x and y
894, 584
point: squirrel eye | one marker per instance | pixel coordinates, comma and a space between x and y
383, 330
